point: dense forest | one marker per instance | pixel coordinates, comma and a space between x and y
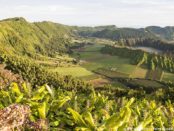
154, 43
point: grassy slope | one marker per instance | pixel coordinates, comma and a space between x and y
19, 36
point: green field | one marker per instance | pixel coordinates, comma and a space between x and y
168, 77
146, 83
92, 60
95, 66
139, 73
64, 66
76, 71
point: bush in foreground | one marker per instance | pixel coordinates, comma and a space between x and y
57, 109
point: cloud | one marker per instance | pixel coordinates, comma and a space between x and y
135, 13
39, 9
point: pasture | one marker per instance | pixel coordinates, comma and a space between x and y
94, 60
75, 71
96, 67
168, 77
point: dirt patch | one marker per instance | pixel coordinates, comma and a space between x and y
110, 74
99, 82
154, 74
139, 73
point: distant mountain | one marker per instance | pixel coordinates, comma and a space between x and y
122, 33
164, 33
114, 33
89, 31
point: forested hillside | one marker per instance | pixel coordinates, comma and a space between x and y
17, 36
165, 33
114, 33
139, 57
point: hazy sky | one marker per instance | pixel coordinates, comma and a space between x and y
129, 13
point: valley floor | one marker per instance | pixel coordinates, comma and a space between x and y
98, 68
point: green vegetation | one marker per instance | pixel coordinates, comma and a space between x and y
139, 57
76, 71
139, 73
114, 33
156, 74
164, 33
43, 66
168, 77
37, 75
17, 36
164, 47
94, 60
66, 110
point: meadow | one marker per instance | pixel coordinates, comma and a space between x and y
96, 68
92, 59
168, 77
75, 71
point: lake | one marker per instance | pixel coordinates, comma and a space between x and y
148, 49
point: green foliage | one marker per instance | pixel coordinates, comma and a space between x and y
164, 33
37, 75
17, 36
73, 104
139, 57
113, 33
127, 34
67, 110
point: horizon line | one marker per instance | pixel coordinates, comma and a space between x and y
93, 26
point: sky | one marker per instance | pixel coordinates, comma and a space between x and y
122, 13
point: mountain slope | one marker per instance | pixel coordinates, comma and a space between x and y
122, 33
164, 33
21, 37
114, 33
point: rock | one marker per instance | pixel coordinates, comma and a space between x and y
13, 116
